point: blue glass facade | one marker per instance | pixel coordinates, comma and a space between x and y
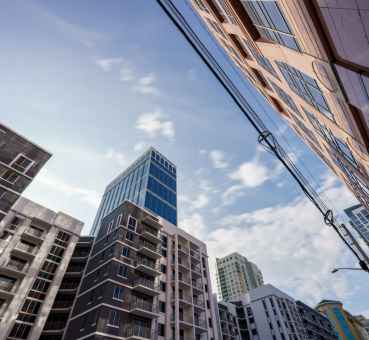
150, 182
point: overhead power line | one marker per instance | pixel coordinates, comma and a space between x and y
265, 138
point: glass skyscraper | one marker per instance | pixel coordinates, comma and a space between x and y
359, 219
150, 182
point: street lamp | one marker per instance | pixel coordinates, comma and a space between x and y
335, 270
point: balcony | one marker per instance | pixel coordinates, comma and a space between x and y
200, 326
62, 304
199, 303
184, 281
183, 249
197, 286
147, 267
15, 268
143, 308
7, 286
34, 234
137, 332
153, 223
195, 255
145, 286
25, 250
151, 235
148, 249
196, 271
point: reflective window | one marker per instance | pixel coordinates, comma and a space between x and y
159, 189
285, 97
306, 87
270, 22
162, 176
161, 208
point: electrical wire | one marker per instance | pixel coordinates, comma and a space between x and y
266, 138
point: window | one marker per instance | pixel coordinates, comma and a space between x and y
163, 268
129, 236
305, 87
9, 176
163, 252
161, 329
125, 251
119, 219
114, 319
132, 223
285, 97
6, 283
123, 271
20, 330
163, 286
164, 240
118, 293
110, 227
270, 22
31, 306
22, 163
162, 306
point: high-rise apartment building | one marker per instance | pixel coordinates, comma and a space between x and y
20, 161
359, 220
150, 182
301, 55
145, 279
59, 314
346, 326
36, 245
236, 276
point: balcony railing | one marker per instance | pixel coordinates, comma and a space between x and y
196, 269
62, 304
69, 285
26, 248
55, 325
137, 331
7, 286
142, 304
200, 323
183, 249
149, 246
34, 232
150, 231
199, 302
184, 279
145, 262
198, 285
19, 266
195, 253
145, 282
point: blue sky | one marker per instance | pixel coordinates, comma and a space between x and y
97, 84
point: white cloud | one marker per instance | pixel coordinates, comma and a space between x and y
146, 84
201, 201
154, 124
140, 146
106, 64
251, 174
194, 224
116, 156
55, 183
295, 250
217, 159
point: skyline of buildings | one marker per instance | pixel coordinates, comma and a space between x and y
235, 275
301, 57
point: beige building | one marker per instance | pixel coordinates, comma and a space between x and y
236, 276
310, 59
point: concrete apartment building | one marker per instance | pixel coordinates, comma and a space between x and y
236, 276
227, 321
59, 314
20, 161
346, 326
145, 279
359, 220
36, 245
270, 314
150, 182
316, 325
301, 55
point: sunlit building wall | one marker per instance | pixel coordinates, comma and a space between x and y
310, 59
